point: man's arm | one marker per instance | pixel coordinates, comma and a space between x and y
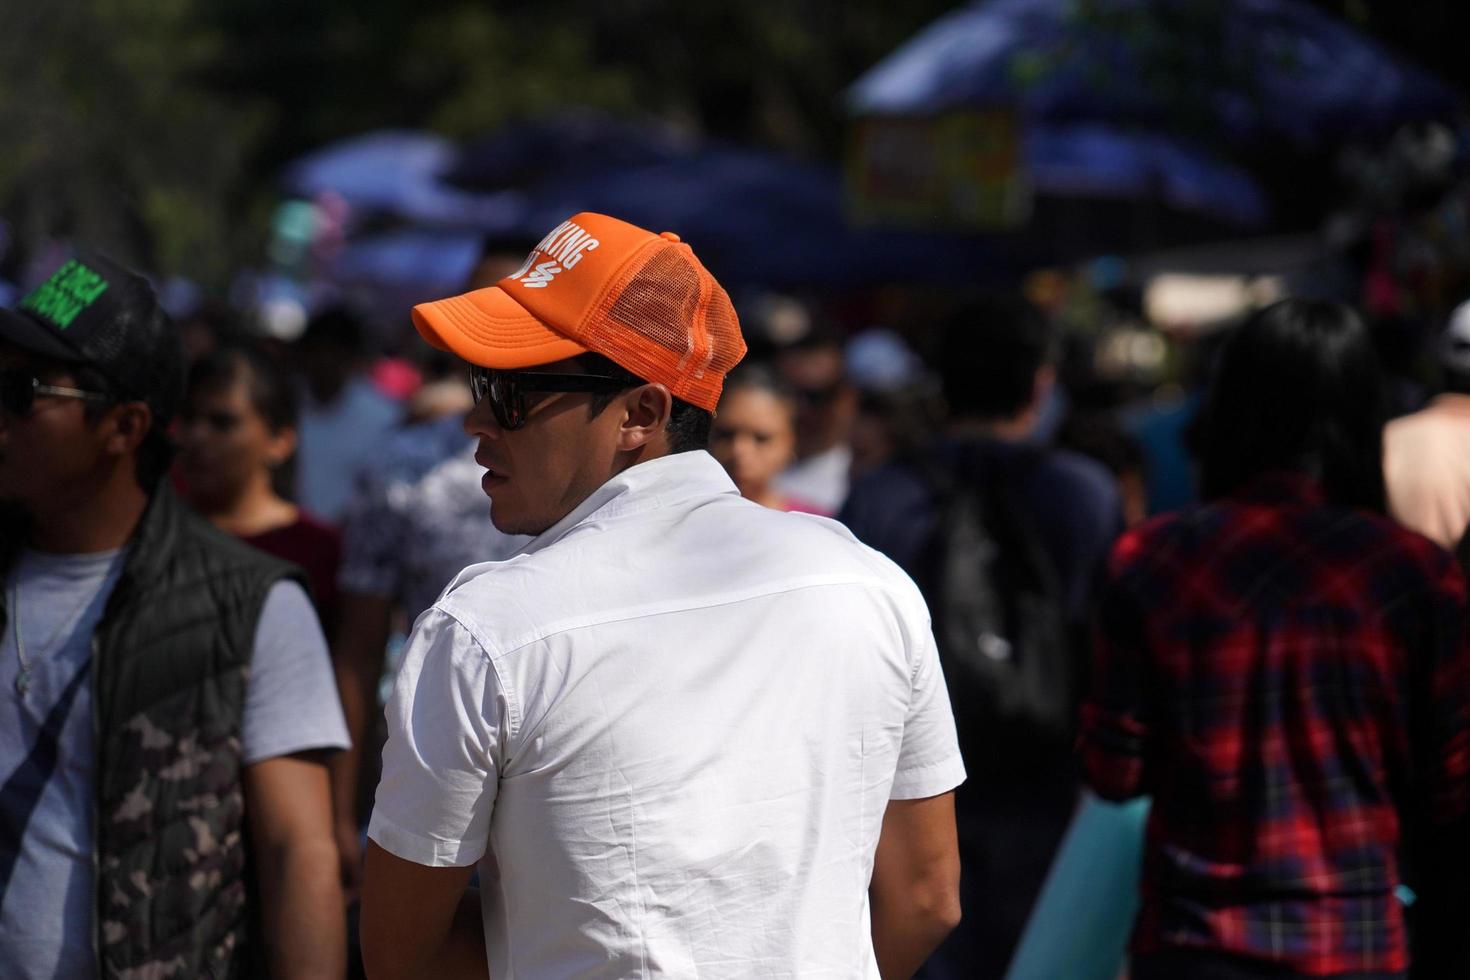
419, 921
289, 809
357, 661
915, 891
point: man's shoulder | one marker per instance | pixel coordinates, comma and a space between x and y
742, 550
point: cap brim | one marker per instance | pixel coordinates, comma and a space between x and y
35, 337
488, 328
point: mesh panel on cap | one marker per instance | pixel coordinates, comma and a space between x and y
724, 332
665, 319
659, 300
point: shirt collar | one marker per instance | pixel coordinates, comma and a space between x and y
648, 486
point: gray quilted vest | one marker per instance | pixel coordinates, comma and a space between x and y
171, 662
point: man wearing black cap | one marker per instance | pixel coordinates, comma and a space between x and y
168, 689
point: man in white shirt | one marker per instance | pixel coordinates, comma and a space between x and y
679, 734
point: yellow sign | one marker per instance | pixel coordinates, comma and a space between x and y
959, 171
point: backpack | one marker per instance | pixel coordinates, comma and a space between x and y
1000, 618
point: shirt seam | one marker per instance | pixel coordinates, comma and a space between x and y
572, 624
512, 699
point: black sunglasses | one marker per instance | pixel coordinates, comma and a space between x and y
507, 389
18, 391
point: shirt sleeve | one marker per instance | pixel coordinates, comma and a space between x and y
1113, 741
291, 704
929, 760
447, 725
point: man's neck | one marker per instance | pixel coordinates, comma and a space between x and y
101, 520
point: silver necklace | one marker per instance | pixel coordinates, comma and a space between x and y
23, 678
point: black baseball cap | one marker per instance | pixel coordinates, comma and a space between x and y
93, 312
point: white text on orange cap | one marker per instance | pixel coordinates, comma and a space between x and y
564, 246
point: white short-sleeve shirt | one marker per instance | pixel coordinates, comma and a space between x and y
668, 732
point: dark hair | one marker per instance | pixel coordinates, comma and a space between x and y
760, 377
156, 452
689, 426
271, 392
989, 351
336, 326
1297, 387
1100, 436
1455, 381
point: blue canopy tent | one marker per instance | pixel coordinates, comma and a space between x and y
1297, 73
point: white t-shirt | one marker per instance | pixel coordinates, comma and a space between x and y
47, 782
668, 732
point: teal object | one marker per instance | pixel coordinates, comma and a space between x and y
1080, 924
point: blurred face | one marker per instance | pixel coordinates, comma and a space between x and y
51, 453
537, 474
224, 442
825, 406
753, 438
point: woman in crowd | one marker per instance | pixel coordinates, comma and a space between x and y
236, 433
1285, 671
754, 435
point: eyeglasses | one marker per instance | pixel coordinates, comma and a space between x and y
507, 389
18, 391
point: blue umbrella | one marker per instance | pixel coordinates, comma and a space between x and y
397, 269
755, 217
395, 173
1298, 74
1097, 160
571, 143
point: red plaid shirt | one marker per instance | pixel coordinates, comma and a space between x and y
1258, 665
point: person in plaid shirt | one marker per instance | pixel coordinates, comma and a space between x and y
1286, 672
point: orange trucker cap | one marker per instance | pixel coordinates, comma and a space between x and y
598, 284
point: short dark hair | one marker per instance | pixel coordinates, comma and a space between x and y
1296, 387
990, 348
761, 377
271, 393
155, 453
689, 425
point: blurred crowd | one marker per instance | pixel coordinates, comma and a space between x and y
1000, 447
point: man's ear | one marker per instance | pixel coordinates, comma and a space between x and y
646, 412
125, 426
281, 445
